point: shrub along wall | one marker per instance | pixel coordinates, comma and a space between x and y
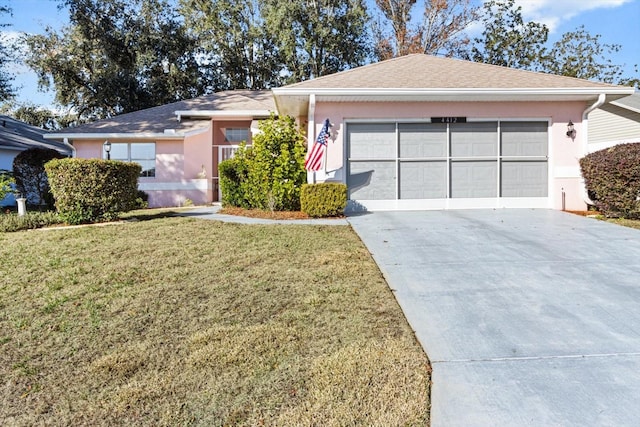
612, 177
88, 190
324, 199
233, 173
270, 173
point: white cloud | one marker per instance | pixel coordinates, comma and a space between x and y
552, 12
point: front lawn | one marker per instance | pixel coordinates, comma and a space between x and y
178, 321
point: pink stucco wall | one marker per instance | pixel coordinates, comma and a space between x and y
175, 172
197, 154
169, 161
564, 152
179, 164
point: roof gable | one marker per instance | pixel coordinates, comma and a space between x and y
426, 78
420, 71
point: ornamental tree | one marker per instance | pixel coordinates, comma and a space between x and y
31, 177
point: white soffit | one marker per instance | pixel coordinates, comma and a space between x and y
128, 136
226, 114
293, 101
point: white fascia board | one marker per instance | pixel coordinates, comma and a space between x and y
452, 91
222, 113
128, 135
5, 147
456, 91
626, 107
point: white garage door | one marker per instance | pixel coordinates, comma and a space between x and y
440, 165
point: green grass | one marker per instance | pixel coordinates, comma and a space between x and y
632, 223
177, 321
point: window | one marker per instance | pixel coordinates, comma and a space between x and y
143, 153
236, 134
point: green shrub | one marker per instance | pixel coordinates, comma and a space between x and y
325, 199
12, 222
30, 176
6, 183
89, 190
233, 173
270, 173
612, 178
142, 200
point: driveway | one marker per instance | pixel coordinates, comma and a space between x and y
529, 317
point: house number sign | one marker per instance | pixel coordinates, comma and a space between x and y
448, 120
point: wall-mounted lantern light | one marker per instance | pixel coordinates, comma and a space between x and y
107, 149
571, 131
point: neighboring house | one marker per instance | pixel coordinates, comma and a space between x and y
17, 136
415, 132
617, 122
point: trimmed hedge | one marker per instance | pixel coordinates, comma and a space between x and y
89, 190
31, 220
612, 178
324, 199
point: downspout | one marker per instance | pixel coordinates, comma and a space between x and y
585, 140
73, 149
311, 127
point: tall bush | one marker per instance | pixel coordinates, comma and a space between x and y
270, 173
612, 177
233, 173
30, 176
88, 190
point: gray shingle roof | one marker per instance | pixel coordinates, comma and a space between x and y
158, 119
18, 135
631, 102
419, 71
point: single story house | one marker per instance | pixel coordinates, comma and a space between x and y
415, 132
17, 136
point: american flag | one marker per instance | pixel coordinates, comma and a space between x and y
314, 158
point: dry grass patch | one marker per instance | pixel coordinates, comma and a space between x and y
178, 321
257, 213
631, 223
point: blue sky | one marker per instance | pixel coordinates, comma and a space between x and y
617, 21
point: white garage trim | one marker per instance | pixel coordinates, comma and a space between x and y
477, 164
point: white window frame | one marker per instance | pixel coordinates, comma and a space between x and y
129, 159
237, 135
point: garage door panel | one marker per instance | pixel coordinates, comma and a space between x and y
474, 139
474, 179
423, 180
524, 179
372, 180
429, 161
524, 138
420, 140
372, 141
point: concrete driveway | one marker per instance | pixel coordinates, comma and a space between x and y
529, 317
